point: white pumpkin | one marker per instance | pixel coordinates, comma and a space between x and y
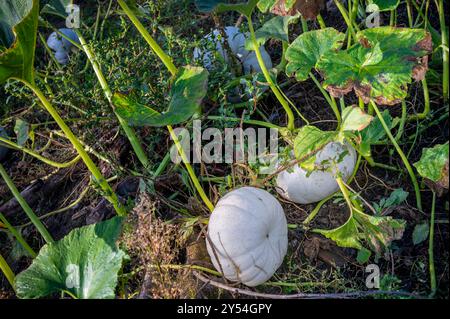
297, 186
236, 41
61, 46
247, 236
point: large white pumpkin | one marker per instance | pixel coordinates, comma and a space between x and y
247, 236
296, 185
236, 41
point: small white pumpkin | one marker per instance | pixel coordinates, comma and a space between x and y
236, 40
247, 236
297, 186
62, 57
61, 46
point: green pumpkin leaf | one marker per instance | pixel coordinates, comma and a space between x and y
310, 139
84, 263
374, 133
380, 66
363, 255
397, 197
433, 163
57, 7
19, 24
363, 232
355, 119
276, 28
22, 129
386, 5
187, 92
420, 233
244, 7
303, 54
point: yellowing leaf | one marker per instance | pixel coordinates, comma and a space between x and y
380, 66
355, 119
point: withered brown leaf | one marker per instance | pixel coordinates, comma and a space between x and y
309, 9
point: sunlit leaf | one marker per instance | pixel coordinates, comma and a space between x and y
355, 119
433, 164
308, 48
311, 139
85, 263
380, 66
363, 232
188, 90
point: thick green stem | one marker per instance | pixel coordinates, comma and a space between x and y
282, 66
159, 52
361, 104
190, 169
321, 22
430, 247
167, 60
129, 132
409, 12
401, 127
162, 166
331, 101
304, 24
4, 267
445, 49
354, 11
316, 209
27, 209
345, 192
108, 192
319, 205
372, 163
402, 156
346, 17
17, 235
392, 18
273, 86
